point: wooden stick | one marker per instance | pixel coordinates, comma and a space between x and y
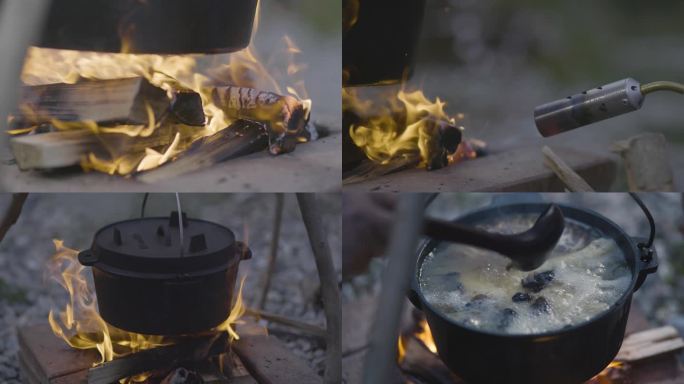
273, 254
567, 175
12, 213
646, 162
314, 330
329, 285
381, 361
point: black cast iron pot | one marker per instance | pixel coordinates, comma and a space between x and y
379, 40
568, 356
149, 26
144, 284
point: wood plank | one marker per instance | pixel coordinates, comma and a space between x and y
270, 362
50, 357
651, 335
517, 170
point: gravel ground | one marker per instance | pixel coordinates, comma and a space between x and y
661, 295
26, 297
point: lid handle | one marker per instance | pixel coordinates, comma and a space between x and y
87, 258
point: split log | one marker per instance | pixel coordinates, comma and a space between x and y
106, 102
286, 117
567, 175
161, 358
67, 148
240, 139
646, 162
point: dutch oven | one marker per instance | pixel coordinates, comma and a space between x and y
567, 356
147, 283
149, 26
379, 40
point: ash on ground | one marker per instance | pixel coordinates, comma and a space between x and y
26, 296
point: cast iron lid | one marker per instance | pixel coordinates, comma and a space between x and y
152, 246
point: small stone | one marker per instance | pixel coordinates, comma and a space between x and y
520, 297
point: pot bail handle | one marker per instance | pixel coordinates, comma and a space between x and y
648, 258
243, 250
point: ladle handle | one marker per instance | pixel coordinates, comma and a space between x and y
459, 233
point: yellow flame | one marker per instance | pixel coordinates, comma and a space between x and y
399, 124
236, 313
244, 68
80, 325
425, 335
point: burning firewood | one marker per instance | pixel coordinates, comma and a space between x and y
241, 138
130, 101
160, 358
67, 148
285, 116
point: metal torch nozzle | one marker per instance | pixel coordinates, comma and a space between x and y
588, 107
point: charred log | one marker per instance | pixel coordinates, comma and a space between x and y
440, 138
160, 358
240, 139
285, 116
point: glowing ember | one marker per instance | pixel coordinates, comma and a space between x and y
80, 325
402, 123
243, 69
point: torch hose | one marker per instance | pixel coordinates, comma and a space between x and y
662, 86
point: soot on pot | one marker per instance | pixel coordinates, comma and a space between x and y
585, 274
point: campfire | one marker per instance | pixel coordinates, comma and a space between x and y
125, 114
405, 126
80, 325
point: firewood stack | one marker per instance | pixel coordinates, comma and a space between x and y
57, 125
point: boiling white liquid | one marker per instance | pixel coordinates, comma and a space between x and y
590, 275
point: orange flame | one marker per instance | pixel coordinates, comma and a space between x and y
80, 325
243, 68
399, 124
